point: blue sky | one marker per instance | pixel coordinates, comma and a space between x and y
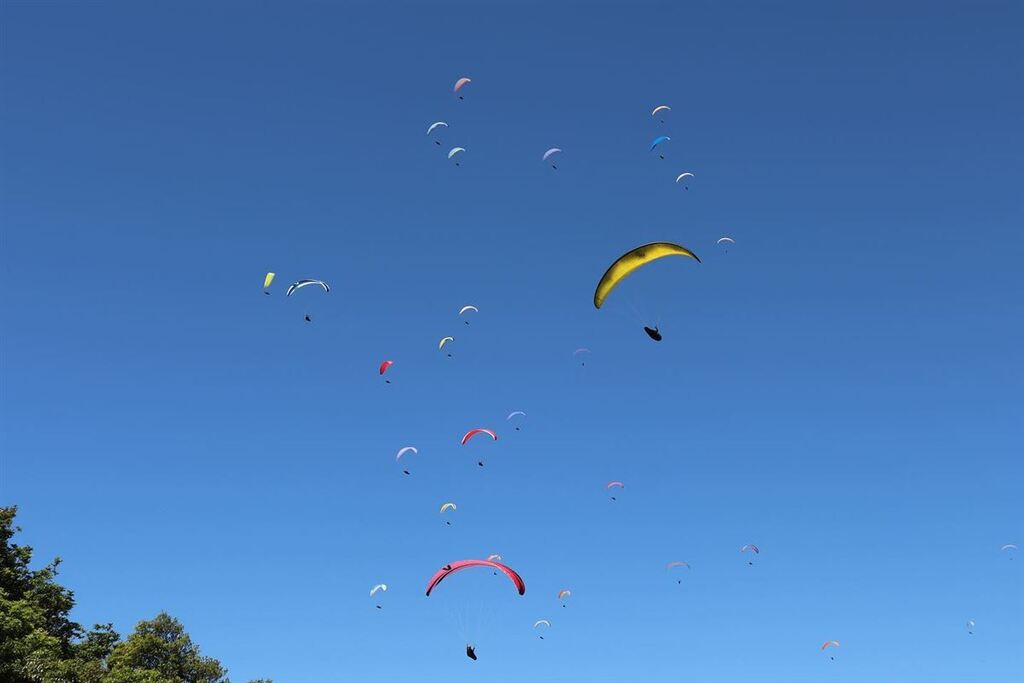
843, 387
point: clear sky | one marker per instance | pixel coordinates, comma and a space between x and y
842, 387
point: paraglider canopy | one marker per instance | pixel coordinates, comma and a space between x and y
292, 288
653, 333
473, 432
660, 107
385, 365
633, 259
462, 82
435, 125
448, 569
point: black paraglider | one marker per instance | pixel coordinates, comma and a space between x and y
308, 319
653, 333
471, 652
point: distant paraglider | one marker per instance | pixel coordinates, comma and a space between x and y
752, 548
539, 623
445, 340
577, 352
1009, 548
454, 151
403, 451
657, 142
653, 333
460, 84
684, 175
445, 508
379, 587
473, 432
515, 413
549, 153
434, 126
829, 643
673, 565
467, 308
384, 368
614, 485
970, 627
563, 595
267, 280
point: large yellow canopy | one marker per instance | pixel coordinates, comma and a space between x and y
632, 260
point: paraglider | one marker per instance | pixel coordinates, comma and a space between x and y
473, 432
653, 333
445, 340
726, 241
658, 141
445, 508
459, 84
970, 627
563, 594
378, 587
672, 565
577, 352
539, 623
633, 259
434, 126
516, 413
830, 643
470, 650
684, 175
267, 279
659, 108
308, 319
295, 286
1009, 547
752, 548
384, 368
494, 558
468, 307
403, 451
614, 485
456, 150
547, 154
453, 567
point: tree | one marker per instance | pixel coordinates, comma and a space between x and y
39, 643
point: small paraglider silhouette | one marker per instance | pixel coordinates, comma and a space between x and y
657, 142
653, 333
308, 319
470, 650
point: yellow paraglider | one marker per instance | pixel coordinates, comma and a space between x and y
268, 279
632, 260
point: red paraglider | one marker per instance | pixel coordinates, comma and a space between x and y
462, 564
385, 365
473, 432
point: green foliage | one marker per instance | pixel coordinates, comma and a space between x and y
39, 643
